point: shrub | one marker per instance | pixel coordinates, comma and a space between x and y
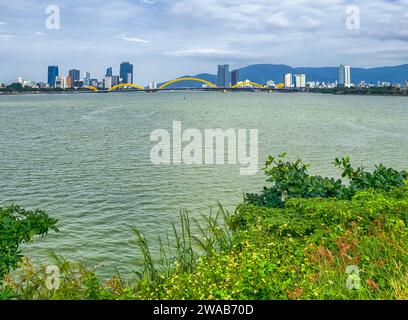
19, 226
292, 180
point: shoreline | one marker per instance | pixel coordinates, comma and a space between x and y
354, 92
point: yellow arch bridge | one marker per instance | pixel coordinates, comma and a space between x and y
188, 79
241, 84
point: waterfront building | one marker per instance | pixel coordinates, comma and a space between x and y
126, 72
108, 82
153, 85
53, 73
289, 80
87, 78
41, 85
344, 76
270, 84
115, 80
300, 80
67, 82
109, 72
75, 76
234, 77
223, 77
58, 82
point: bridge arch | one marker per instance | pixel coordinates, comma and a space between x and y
136, 86
92, 88
187, 79
245, 83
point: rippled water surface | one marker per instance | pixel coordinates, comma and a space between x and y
85, 158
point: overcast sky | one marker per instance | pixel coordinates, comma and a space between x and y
165, 39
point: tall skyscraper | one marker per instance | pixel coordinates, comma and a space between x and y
109, 72
53, 73
75, 75
126, 72
87, 78
344, 76
289, 80
300, 80
234, 77
223, 76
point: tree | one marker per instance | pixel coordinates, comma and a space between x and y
19, 226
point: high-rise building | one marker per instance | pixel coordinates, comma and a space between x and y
87, 78
53, 73
108, 82
300, 80
234, 77
153, 85
289, 80
59, 82
115, 80
223, 76
344, 76
75, 76
126, 72
109, 72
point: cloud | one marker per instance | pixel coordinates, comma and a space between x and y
2, 23
201, 53
127, 38
149, 2
6, 37
278, 20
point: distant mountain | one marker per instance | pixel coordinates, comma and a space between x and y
261, 73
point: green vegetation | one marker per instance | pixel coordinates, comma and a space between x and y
18, 87
292, 180
298, 239
19, 226
366, 91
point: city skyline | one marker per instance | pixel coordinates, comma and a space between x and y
227, 77
165, 39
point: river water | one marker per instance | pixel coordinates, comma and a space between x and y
85, 158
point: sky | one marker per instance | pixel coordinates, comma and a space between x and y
165, 39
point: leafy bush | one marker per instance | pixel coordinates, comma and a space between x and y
302, 251
292, 180
19, 226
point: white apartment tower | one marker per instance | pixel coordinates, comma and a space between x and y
289, 80
344, 76
300, 80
